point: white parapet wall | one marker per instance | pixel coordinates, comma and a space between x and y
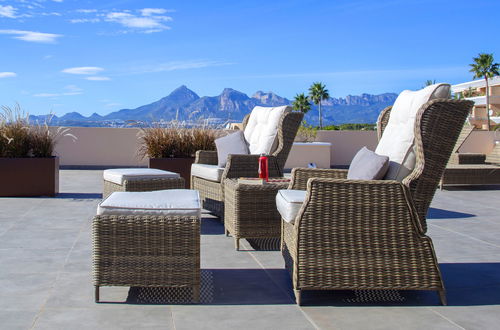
303, 153
104, 146
100, 146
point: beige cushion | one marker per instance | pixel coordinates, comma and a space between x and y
397, 141
119, 175
261, 132
171, 202
209, 172
289, 202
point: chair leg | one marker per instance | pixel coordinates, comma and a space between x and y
298, 296
196, 294
227, 232
442, 297
237, 243
97, 293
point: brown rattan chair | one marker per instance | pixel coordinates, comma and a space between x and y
356, 235
212, 192
471, 168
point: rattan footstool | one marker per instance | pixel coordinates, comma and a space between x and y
250, 210
148, 239
140, 179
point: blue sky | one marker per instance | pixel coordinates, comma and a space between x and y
102, 56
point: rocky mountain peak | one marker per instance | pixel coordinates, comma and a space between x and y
182, 94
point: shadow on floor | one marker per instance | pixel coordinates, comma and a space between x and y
223, 287
447, 214
467, 284
79, 196
211, 226
472, 187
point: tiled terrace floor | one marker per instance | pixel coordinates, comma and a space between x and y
45, 274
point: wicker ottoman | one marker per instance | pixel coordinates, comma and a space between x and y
250, 210
148, 239
140, 179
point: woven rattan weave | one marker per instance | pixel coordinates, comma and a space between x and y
212, 192
371, 234
471, 169
143, 185
250, 210
146, 251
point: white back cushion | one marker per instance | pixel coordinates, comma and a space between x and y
262, 129
397, 141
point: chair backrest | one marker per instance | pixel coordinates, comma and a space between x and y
464, 134
288, 126
437, 127
398, 139
494, 156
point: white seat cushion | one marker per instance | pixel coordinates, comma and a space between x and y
209, 172
171, 202
118, 175
289, 202
262, 129
397, 141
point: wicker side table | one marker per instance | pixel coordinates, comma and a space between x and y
139, 179
250, 210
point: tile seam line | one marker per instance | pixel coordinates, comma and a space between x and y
308, 318
446, 318
59, 272
465, 235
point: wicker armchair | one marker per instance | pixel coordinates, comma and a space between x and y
471, 168
212, 192
351, 234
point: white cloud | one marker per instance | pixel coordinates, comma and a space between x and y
146, 23
58, 0
70, 90
152, 11
86, 11
84, 70
73, 88
46, 95
98, 78
8, 74
32, 36
84, 20
180, 65
7, 11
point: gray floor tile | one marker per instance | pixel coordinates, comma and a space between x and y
240, 317
106, 317
385, 318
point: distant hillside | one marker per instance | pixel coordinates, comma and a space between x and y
185, 105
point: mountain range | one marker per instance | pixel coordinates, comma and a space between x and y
185, 105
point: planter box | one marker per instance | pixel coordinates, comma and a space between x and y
303, 153
29, 177
177, 165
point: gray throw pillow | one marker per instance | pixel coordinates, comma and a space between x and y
367, 165
232, 144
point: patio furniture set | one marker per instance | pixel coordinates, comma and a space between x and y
472, 168
362, 228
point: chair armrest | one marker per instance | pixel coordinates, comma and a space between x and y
300, 176
248, 166
206, 157
383, 204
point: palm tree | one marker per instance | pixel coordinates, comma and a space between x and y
429, 82
318, 93
301, 103
483, 67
